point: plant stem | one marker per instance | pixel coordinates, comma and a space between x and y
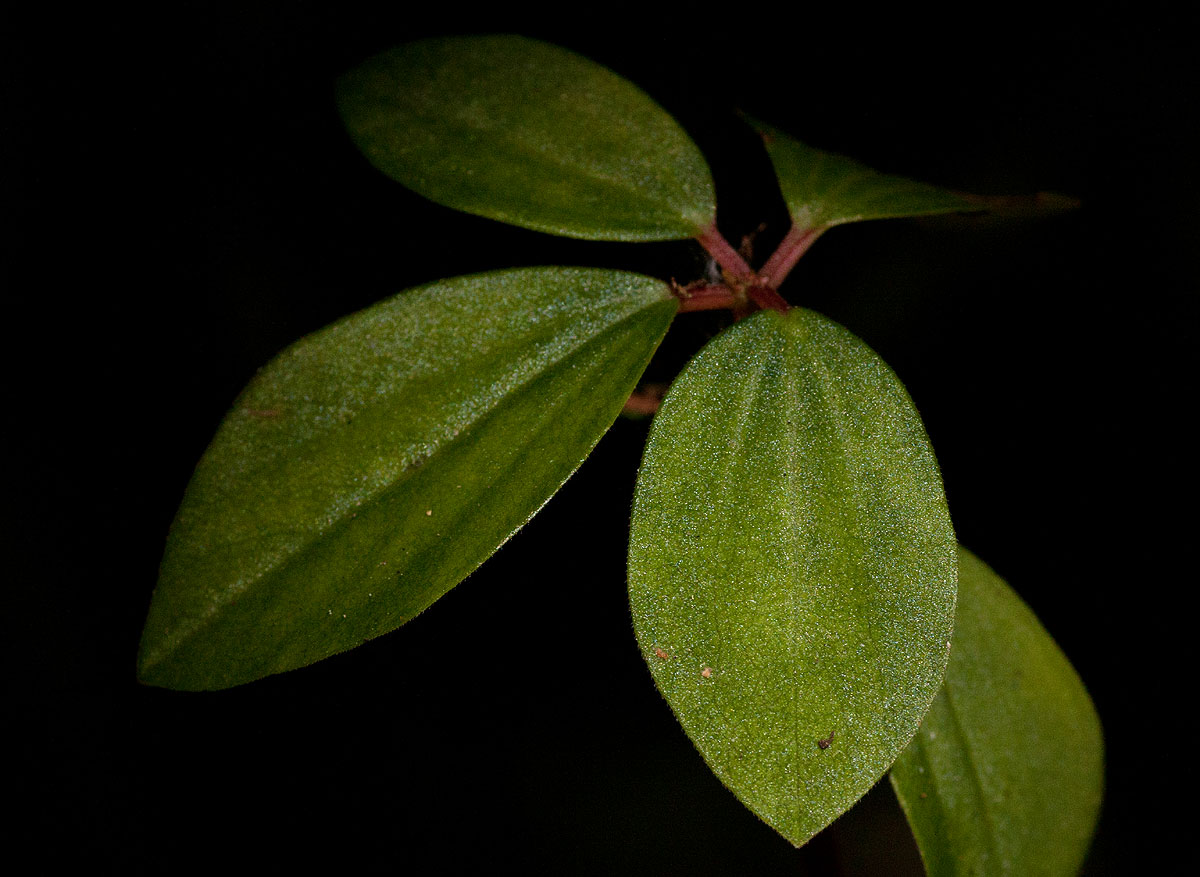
794, 245
766, 297
706, 297
726, 256
760, 288
745, 281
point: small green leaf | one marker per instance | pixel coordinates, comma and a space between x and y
1006, 774
792, 565
531, 134
822, 189
373, 465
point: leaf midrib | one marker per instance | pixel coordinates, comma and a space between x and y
850, 451
976, 777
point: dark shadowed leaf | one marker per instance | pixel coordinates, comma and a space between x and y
792, 565
822, 189
374, 464
528, 133
1006, 773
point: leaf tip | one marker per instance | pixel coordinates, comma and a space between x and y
153, 668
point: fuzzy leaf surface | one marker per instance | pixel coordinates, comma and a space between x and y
373, 465
1006, 774
531, 134
792, 565
823, 189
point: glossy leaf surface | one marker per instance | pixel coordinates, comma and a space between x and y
792, 565
823, 189
531, 134
1006, 774
374, 464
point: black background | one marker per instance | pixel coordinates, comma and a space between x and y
182, 203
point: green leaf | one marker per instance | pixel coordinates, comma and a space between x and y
531, 134
822, 189
373, 465
1006, 774
792, 565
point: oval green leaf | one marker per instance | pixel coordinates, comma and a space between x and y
530, 134
823, 189
374, 464
1006, 774
792, 565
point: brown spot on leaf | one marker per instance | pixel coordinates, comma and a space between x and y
827, 742
660, 653
706, 672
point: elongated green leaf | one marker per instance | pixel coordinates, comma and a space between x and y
531, 134
792, 565
1005, 775
822, 189
373, 465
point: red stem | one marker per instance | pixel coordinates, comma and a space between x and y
709, 297
794, 245
766, 297
727, 257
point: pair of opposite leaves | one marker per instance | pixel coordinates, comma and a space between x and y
792, 564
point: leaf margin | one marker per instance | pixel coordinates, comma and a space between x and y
249, 408
658, 657
788, 154
913, 779
660, 126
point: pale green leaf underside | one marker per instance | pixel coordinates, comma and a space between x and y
822, 189
373, 465
792, 565
1006, 774
531, 134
